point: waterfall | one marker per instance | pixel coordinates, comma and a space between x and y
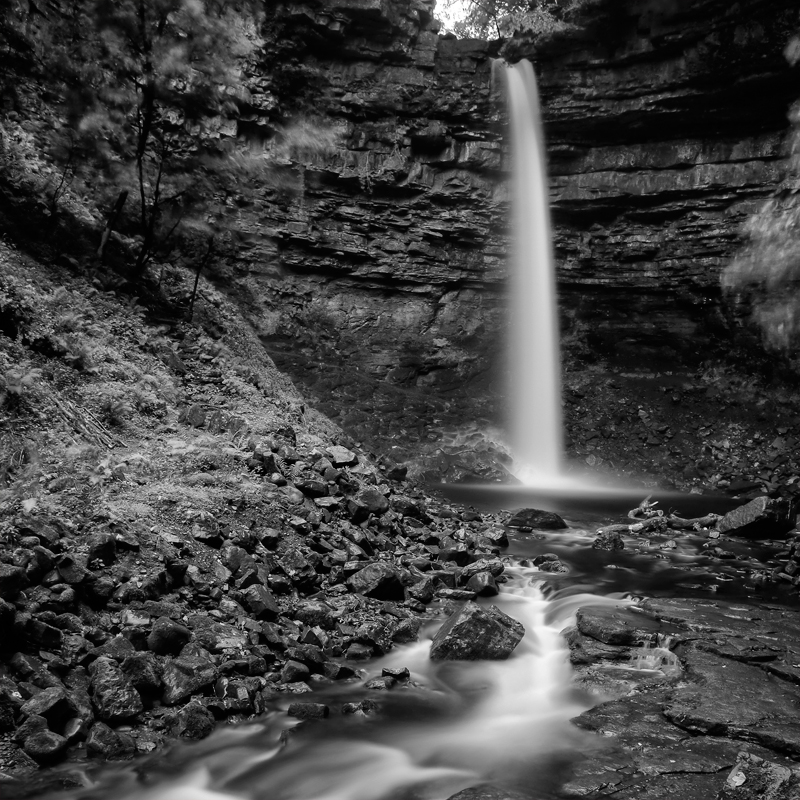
534, 360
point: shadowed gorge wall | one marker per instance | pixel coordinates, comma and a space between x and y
388, 259
665, 127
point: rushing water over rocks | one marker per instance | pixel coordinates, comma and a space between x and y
456, 724
629, 669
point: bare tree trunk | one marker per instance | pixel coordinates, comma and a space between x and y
111, 222
200, 264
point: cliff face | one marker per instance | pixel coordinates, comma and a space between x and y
383, 258
665, 126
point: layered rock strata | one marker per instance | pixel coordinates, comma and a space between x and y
384, 257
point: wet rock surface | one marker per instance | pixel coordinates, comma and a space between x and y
477, 632
685, 712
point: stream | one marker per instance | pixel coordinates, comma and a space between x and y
451, 725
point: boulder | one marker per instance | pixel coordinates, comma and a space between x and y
298, 569
103, 741
761, 518
186, 675
312, 488
261, 603
54, 705
474, 632
294, 671
195, 722
374, 500
102, 547
315, 613
483, 584
44, 745
407, 630
12, 581
168, 637
308, 711
492, 565
113, 695
118, 648
342, 457
71, 570
608, 540
216, 637
536, 519
497, 537
378, 580
144, 672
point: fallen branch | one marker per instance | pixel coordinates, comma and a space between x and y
85, 423
708, 521
663, 523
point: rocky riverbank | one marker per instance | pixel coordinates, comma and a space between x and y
183, 539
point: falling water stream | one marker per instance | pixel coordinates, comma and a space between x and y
534, 359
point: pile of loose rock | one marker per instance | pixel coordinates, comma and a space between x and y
117, 638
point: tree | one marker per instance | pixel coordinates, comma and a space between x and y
484, 19
152, 89
764, 277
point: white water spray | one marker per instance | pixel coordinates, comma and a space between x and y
535, 385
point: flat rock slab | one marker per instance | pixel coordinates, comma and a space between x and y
488, 791
475, 632
639, 754
739, 701
618, 625
680, 736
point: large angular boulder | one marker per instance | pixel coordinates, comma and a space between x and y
54, 704
216, 637
261, 603
476, 632
113, 695
186, 675
168, 637
342, 457
378, 580
537, 520
761, 518
483, 584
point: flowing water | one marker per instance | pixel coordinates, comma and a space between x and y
534, 361
456, 724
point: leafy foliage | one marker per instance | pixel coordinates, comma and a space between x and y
16, 382
487, 19
150, 87
765, 275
